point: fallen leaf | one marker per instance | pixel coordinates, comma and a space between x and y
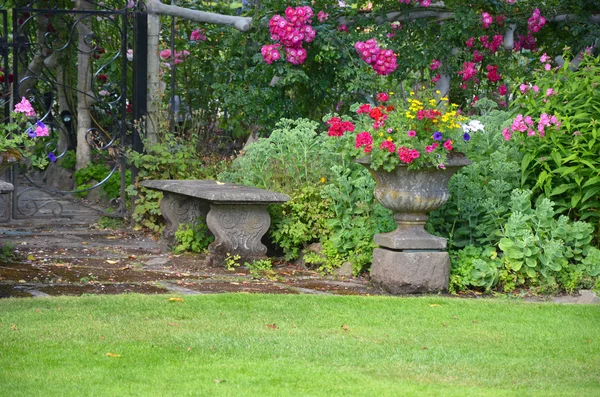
435, 305
22, 281
84, 242
59, 265
217, 381
173, 325
345, 327
213, 348
220, 183
14, 327
30, 257
112, 355
445, 325
132, 256
124, 268
189, 349
424, 348
454, 317
175, 299
111, 262
474, 321
272, 326
111, 237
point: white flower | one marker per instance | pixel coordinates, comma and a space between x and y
473, 126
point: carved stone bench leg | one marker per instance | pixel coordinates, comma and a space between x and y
238, 229
178, 209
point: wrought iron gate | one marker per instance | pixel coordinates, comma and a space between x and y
42, 50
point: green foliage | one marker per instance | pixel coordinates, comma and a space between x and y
93, 174
260, 268
112, 223
474, 267
231, 262
479, 203
356, 217
7, 252
300, 221
293, 155
537, 247
193, 238
68, 161
563, 165
173, 157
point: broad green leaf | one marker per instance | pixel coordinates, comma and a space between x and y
592, 181
563, 171
562, 188
575, 199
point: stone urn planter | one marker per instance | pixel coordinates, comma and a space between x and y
409, 259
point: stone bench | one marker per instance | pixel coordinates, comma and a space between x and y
236, 215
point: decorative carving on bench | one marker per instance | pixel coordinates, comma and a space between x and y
240, 229
236, 215
178, 209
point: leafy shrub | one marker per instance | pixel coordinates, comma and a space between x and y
356, 218
537, 247
300, 221
100, 173
562, 163
294, 155
474, 267
193, 237
479, 201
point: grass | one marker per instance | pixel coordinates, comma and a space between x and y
278, 345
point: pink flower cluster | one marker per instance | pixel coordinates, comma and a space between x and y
526, 124
382, 61
486, 19
197, 36
291, 31
435, 64
337, 127
534, 25
492, 74
491, 46
179, 55
468, 71
25, 107
364, 139
536, 21
322, 16
408, 155
388, 145
270, 53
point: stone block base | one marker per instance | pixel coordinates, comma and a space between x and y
399, 272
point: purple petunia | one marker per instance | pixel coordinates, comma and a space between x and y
437, 136
466, 136
51, 157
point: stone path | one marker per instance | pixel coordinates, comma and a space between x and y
75, 259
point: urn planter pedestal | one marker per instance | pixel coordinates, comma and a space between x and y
409, 259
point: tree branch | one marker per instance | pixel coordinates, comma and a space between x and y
240, 23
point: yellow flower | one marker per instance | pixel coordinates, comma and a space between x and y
432, 102
443, 98
322, 180
381, 134
438, 92
391, 93
389, 138
412, 93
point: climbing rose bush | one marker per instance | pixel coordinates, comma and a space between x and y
290, 31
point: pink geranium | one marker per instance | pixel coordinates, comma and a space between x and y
25, 107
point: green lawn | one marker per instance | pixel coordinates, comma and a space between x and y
274, 345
